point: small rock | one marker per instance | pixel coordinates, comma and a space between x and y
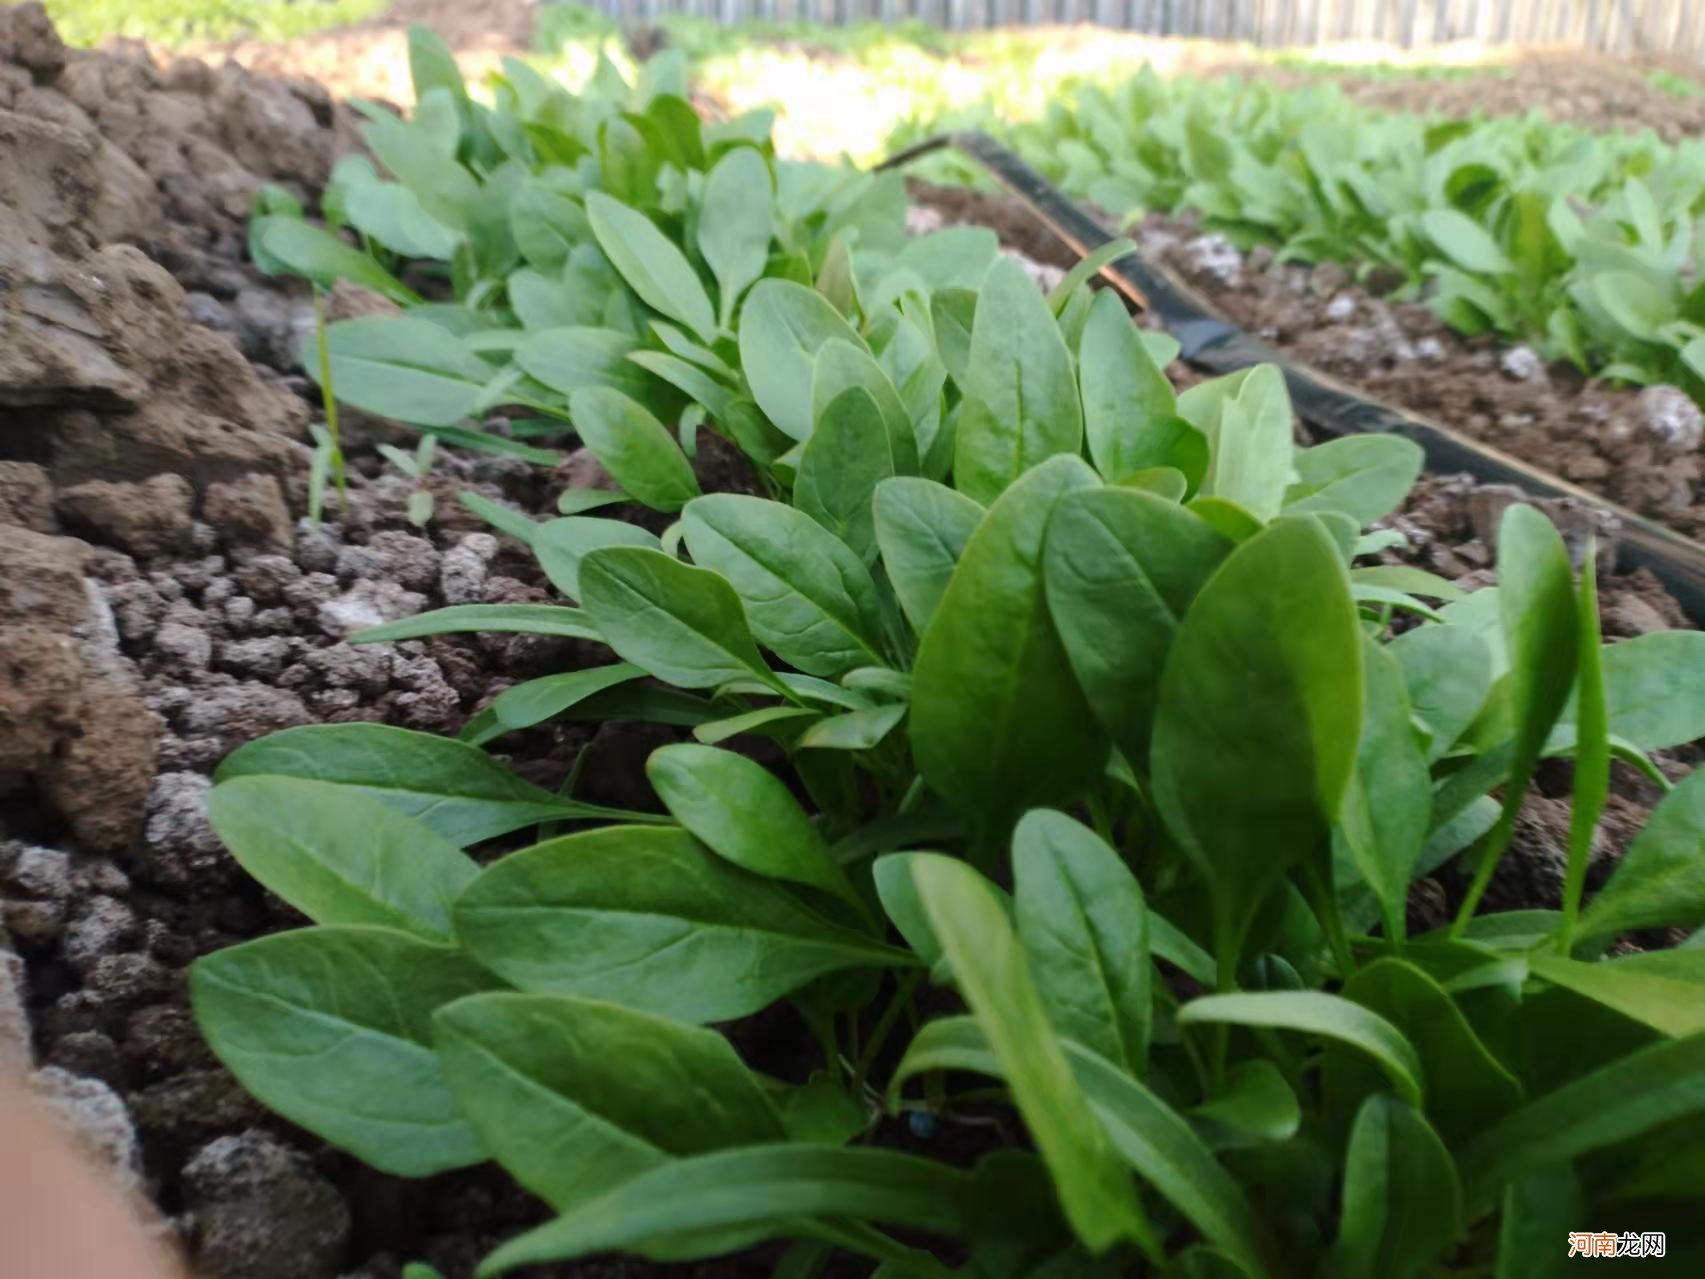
28, 38
1522, 363
263, 1212
1429, 349
146, 519
180, 848
26, 497
1326, 279
42, 873
196, 1105
406, 559
32, 921
15, 1052
317, 546
366, 668
197, 575
1669, 417
90, 1054
130, 978
1340, 308
262, 657
266, 578
103, 926
462, 572
1217, 258
96, 1117
264, 323
239, 612
209, 312
1631, 615
365, 604
357, 562
249, 510
582, 470
162, 1040
182, 648
241, 712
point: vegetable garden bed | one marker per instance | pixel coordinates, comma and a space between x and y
895, 585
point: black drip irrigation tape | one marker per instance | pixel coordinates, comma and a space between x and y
1215, 346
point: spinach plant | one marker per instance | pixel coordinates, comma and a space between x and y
1086, 708
567, 244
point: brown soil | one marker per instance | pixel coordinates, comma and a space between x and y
370, 59
1595, 91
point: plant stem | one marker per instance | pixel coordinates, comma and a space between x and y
879, 1033
1492, 849
1326, 906
823, 1029
328, 397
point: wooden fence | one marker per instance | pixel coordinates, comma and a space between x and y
1617, 26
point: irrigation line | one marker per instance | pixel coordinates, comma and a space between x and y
1210, 343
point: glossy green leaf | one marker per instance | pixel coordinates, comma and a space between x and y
574, 1097
921, 529
1255, 1106
455, 789
405, 368
561, 545
1127, 400
998, 723
572, 359
807, 595
1633, 1094
1388, 806
1260, 715
1672, 1006
1661, 878
1467, 1086
1447, 671
1464, 241
782, 327
1022, 402
651, 264
683, 624
1364, 476
1249, 444
1536, 599
1084, 926
735, 225
845, 459
339, 855
1121, 568
769, 1187
858, 730
461, 619
841, 367
331, 1028
1537, 1210
537, 701
649, 918
740, 810
634, 447
1314, 1013
322, 257
990, 970
1150, 1136
1402, 1199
